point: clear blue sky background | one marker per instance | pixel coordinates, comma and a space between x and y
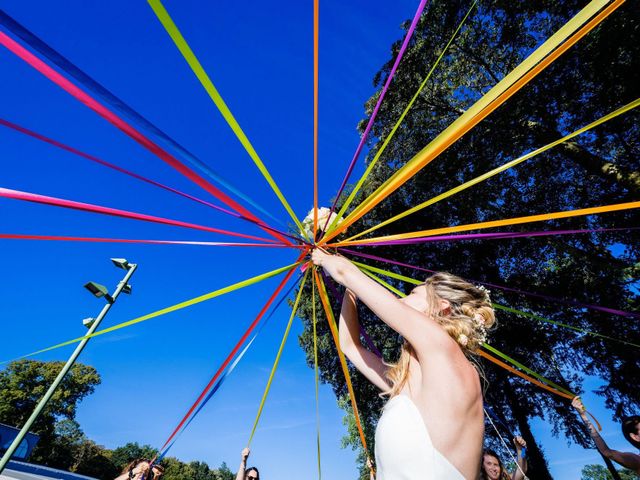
259, 55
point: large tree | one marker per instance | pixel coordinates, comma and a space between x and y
595, 77
22, 385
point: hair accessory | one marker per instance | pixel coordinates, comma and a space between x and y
486, 292
479, 321
463, 339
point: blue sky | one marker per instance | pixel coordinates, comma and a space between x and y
259, 55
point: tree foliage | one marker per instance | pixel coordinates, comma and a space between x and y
22, 385
124, 455
595, 77
176, 470
598, 472
62, 443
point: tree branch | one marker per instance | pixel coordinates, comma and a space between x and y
592, 163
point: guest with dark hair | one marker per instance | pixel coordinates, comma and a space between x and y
245, 473
493, 469
630, 430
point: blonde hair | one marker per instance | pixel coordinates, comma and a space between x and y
468, 318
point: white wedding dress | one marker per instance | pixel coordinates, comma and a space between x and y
403, 446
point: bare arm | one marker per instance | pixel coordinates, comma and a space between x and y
369, 364
243, 464
626, 459
422, 332
521, 468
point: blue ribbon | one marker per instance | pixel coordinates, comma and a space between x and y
117, 104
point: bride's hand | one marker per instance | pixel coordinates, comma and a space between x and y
319, 257
336, 266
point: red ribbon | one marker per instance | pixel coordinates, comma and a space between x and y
87, 207
17, 236
111, 117
95, 159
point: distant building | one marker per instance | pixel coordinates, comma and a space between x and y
8, 434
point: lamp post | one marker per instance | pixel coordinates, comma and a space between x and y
99, 291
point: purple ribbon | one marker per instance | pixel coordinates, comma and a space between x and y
55, 143
403, 48
502, 287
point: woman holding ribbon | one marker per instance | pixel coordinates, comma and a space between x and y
433, 424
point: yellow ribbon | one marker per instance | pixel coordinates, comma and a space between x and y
500, 169
277, 360
377, 156
164, 311
213, 93
495, 223
315, 371
367, 271
570, 33
388, 273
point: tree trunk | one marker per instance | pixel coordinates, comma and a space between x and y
537, 463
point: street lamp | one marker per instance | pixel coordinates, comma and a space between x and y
98, 291
92, 324
87, 322
121, 263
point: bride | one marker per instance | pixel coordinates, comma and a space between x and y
432, 425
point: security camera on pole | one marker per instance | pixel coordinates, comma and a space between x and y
92, 324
